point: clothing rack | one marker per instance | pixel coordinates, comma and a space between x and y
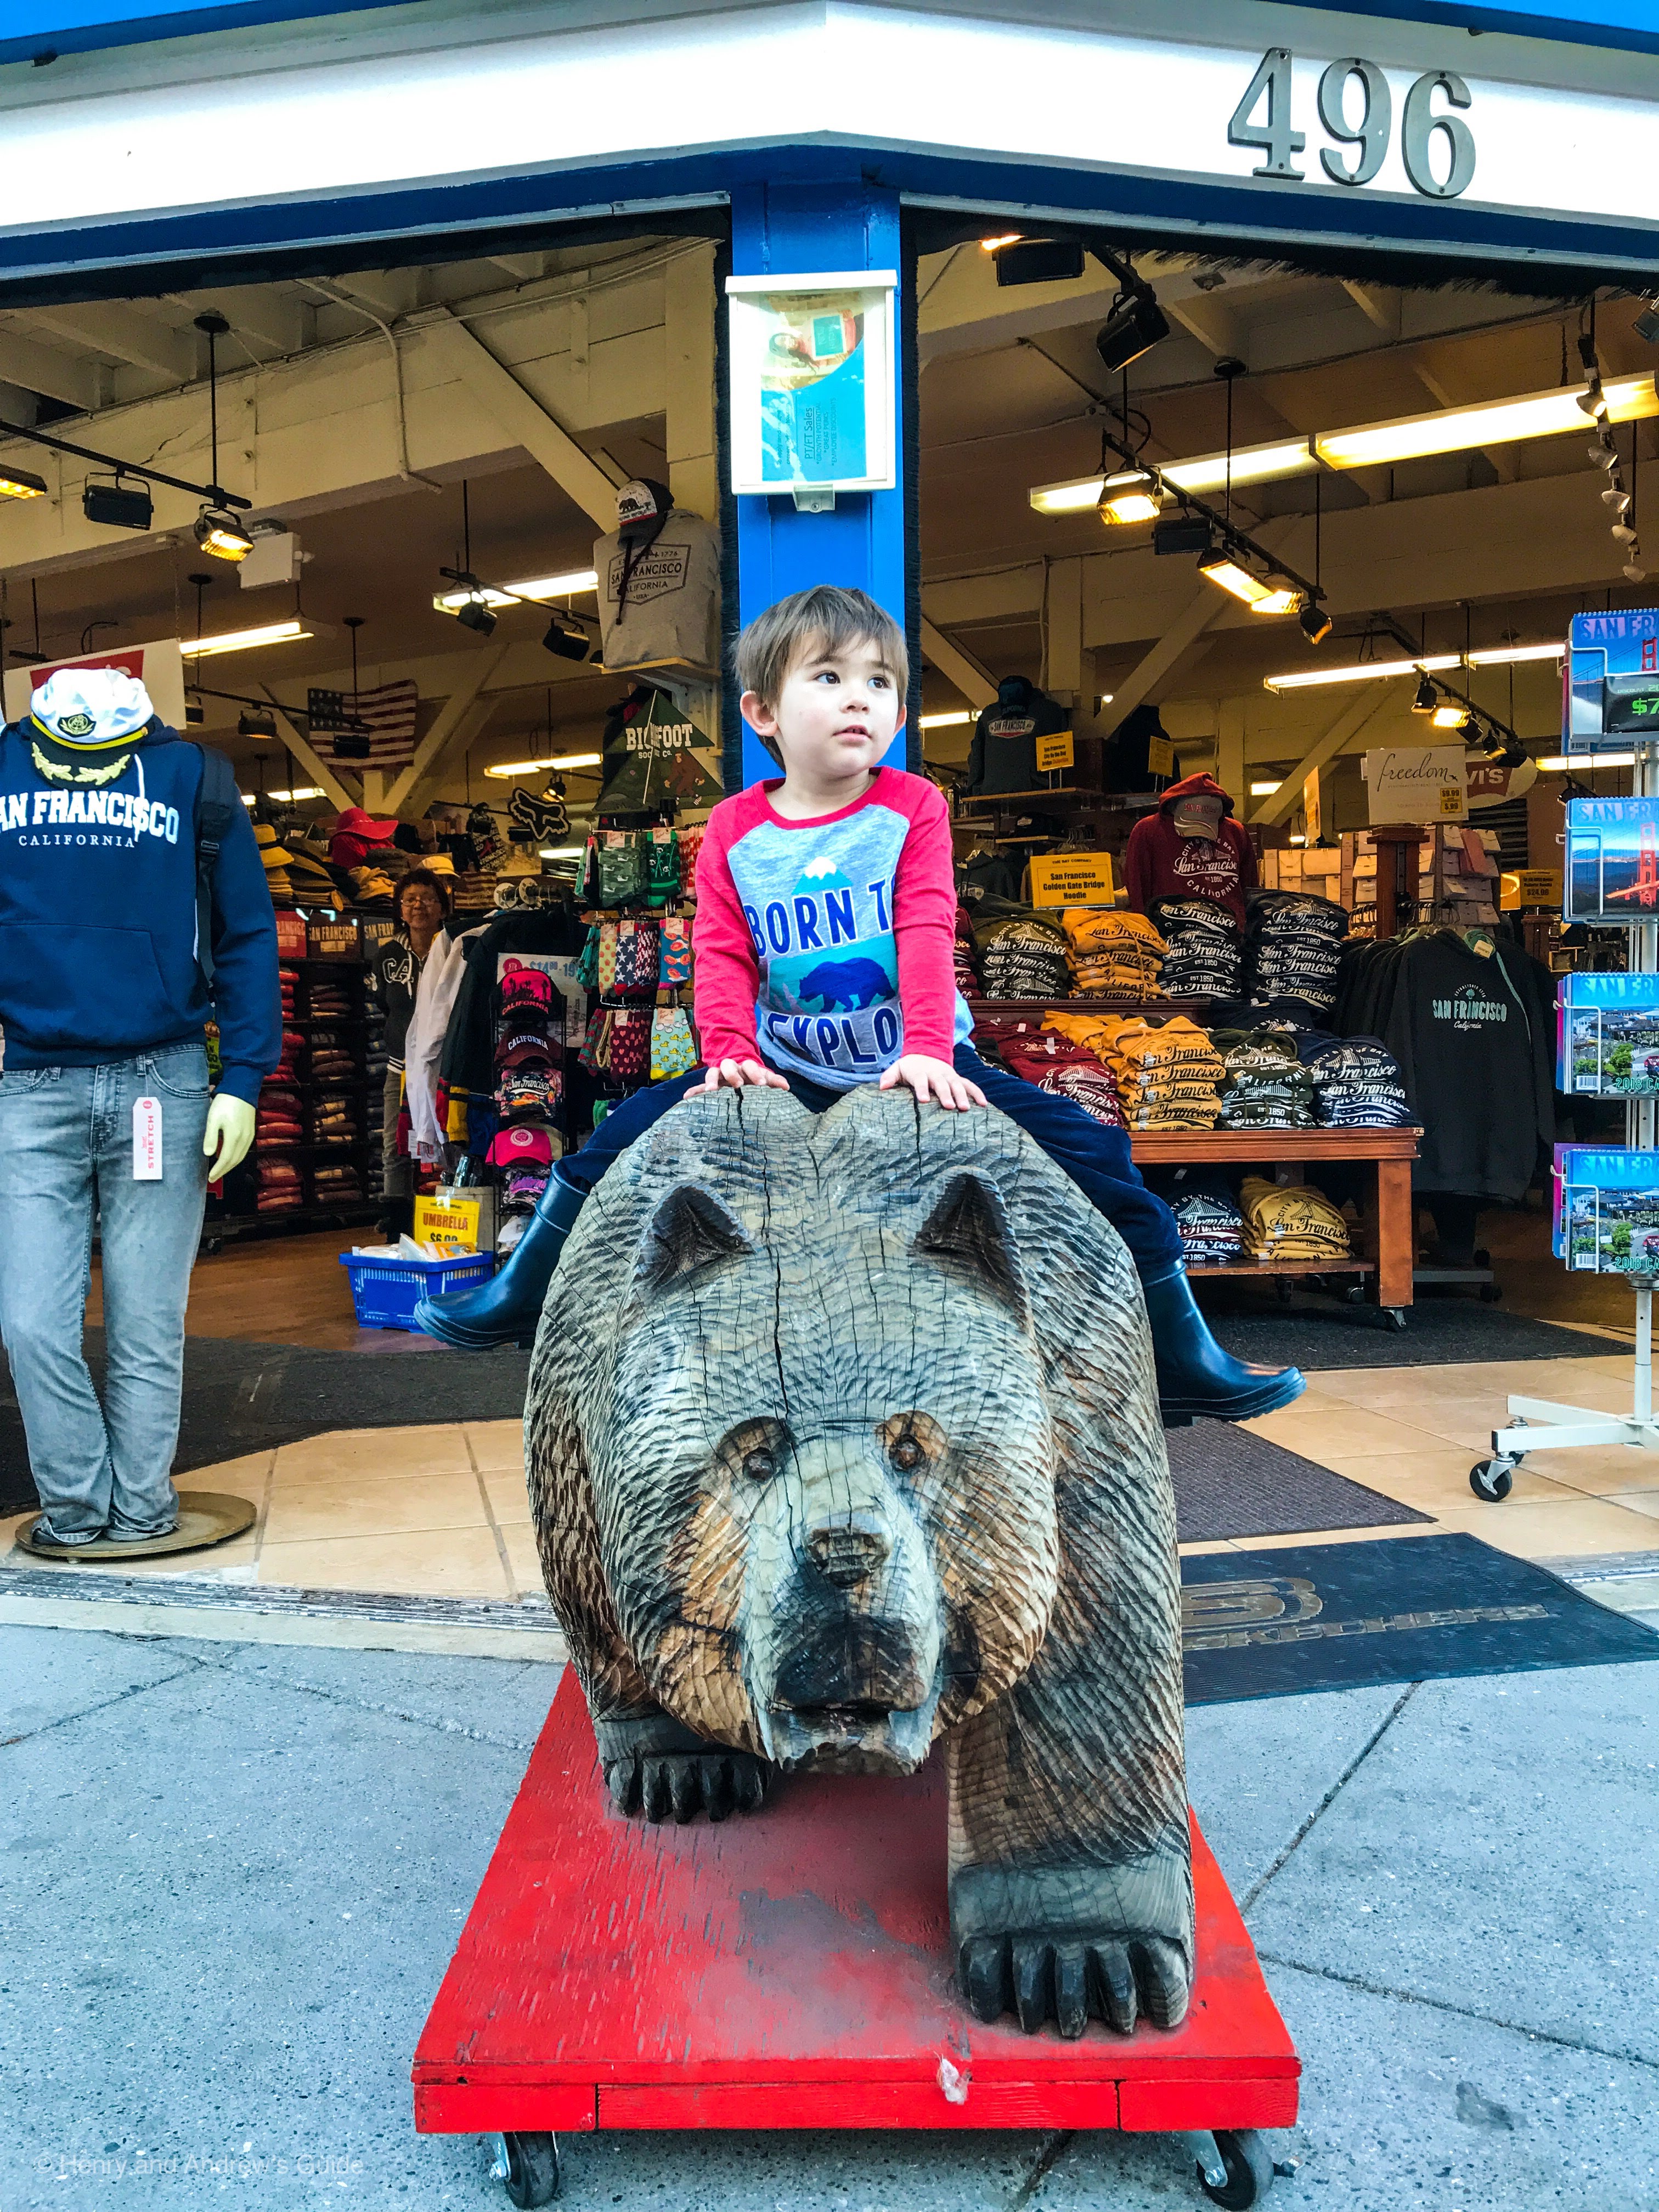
1539, 1423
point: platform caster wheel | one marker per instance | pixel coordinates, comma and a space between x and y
529, 2165
1492, 1480
1249, 2167
1391, 1317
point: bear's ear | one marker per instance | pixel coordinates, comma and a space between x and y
970, 1232
689, 1230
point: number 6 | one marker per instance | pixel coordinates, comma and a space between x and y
1370, 134
1419, 123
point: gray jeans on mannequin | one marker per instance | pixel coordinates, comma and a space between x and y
65, 1148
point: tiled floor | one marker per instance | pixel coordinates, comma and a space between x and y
443, 1511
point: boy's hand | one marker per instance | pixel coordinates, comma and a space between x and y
932, 1079
732, 1074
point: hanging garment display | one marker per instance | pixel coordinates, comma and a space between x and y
660, 743
1176, 854
1003, 754
660, 582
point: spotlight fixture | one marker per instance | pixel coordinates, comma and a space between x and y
1038, 261
1646, 325
1134, 326
221, 535
1133, 496
567, 638
1450, 714
121, 506
1316, 623
21, 484
1427, 697
255, 722
1262, 599
1282, 601
475, 615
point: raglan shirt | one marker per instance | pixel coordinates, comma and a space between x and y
823, 946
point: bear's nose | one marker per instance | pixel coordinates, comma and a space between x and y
849, 1547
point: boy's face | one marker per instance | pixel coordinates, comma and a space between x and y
835, 714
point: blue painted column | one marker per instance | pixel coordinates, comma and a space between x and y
788, 229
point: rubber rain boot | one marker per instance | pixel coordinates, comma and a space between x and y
506, 1309
1195, 1377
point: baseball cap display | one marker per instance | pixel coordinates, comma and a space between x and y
523, 988
523, 1146
520, 1046
91, 707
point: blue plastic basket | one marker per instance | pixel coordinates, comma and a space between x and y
386, 1291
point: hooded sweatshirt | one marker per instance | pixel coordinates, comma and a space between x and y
1003, 754
1159, 863
98, 919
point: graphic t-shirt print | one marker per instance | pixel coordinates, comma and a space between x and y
831, 961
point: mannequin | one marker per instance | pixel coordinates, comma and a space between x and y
104, 1105
1192, 848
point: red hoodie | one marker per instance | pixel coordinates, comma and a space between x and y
1159, 863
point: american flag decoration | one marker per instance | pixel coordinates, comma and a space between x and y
387, 713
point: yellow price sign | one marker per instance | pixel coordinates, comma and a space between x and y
1072, 879
1054, 751
1530, 887
1160, 756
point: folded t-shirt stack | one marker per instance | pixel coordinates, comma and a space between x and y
279, 1187
1067, 1070
1113, 954
333, 1181
1358, 1086
1265, 1086
1205, 954
1021, 957
962, 955
1166, 1074
1293, 947
278, 1118
1212, 1228
1291, 1221
333, 1122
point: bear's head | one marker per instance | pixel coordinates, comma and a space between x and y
826, 1488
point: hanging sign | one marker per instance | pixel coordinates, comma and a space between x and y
811, 382
1160, 756
159, 666
1072, 879
1054, 751
1491, 784
1530, 887
1417, 783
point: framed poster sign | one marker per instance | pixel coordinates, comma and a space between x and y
812, 370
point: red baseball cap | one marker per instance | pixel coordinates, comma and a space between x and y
523, 1146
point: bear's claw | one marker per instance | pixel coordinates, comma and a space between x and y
678, 1785
1119, 1980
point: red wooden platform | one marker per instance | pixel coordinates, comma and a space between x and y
788, 1969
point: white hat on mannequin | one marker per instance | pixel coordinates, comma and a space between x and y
91, 707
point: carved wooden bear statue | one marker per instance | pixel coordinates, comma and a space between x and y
842, 1437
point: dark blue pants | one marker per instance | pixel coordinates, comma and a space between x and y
1097, 1158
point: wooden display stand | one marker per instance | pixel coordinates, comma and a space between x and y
1390, 1150
788, 1969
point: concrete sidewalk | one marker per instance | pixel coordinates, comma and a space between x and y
234, 1875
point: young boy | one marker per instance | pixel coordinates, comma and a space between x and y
826, 903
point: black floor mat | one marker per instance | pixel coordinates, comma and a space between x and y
1231, 1482
1336, 1616
1452, 1331
242, 1398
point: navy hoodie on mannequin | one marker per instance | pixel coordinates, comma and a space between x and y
98, 918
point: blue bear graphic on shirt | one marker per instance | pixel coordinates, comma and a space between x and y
846, 985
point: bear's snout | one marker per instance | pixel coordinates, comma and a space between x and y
850, 1547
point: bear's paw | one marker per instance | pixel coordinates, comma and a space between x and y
678, 1785
1070, 1978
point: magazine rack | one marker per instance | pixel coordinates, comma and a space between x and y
1539, 1423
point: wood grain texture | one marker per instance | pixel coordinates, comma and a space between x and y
843, 1437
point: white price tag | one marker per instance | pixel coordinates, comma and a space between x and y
147, 1140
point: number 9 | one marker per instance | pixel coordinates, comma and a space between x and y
1370, 135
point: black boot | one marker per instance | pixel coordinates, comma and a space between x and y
1196, 1376
506, 1309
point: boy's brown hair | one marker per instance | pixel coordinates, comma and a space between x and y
826, 619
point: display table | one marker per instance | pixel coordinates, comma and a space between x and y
1390, 1150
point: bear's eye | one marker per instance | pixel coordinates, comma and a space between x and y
906, 1453
759, 1465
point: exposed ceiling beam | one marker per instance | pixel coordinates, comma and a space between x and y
125, 334
277, 316
1379, 305
430, 753
1212, 321
312, 761
974, 682
524, 419
522, 268
459, 742
71, 378
1347, 725
1160, 660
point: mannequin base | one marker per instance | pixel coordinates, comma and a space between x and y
205, 1517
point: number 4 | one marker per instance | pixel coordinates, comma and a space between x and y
1275, 134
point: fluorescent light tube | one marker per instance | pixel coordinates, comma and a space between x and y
1071, 498
559, 852
544, 766
1559, 761
1266, 790
243, 641
1363, 672
535, 589
1251, 464
1500, 422
287, 798
951, 721
1500, 656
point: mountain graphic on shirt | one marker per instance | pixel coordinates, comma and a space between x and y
822, 875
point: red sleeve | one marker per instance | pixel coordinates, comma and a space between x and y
725, 976
924, 926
